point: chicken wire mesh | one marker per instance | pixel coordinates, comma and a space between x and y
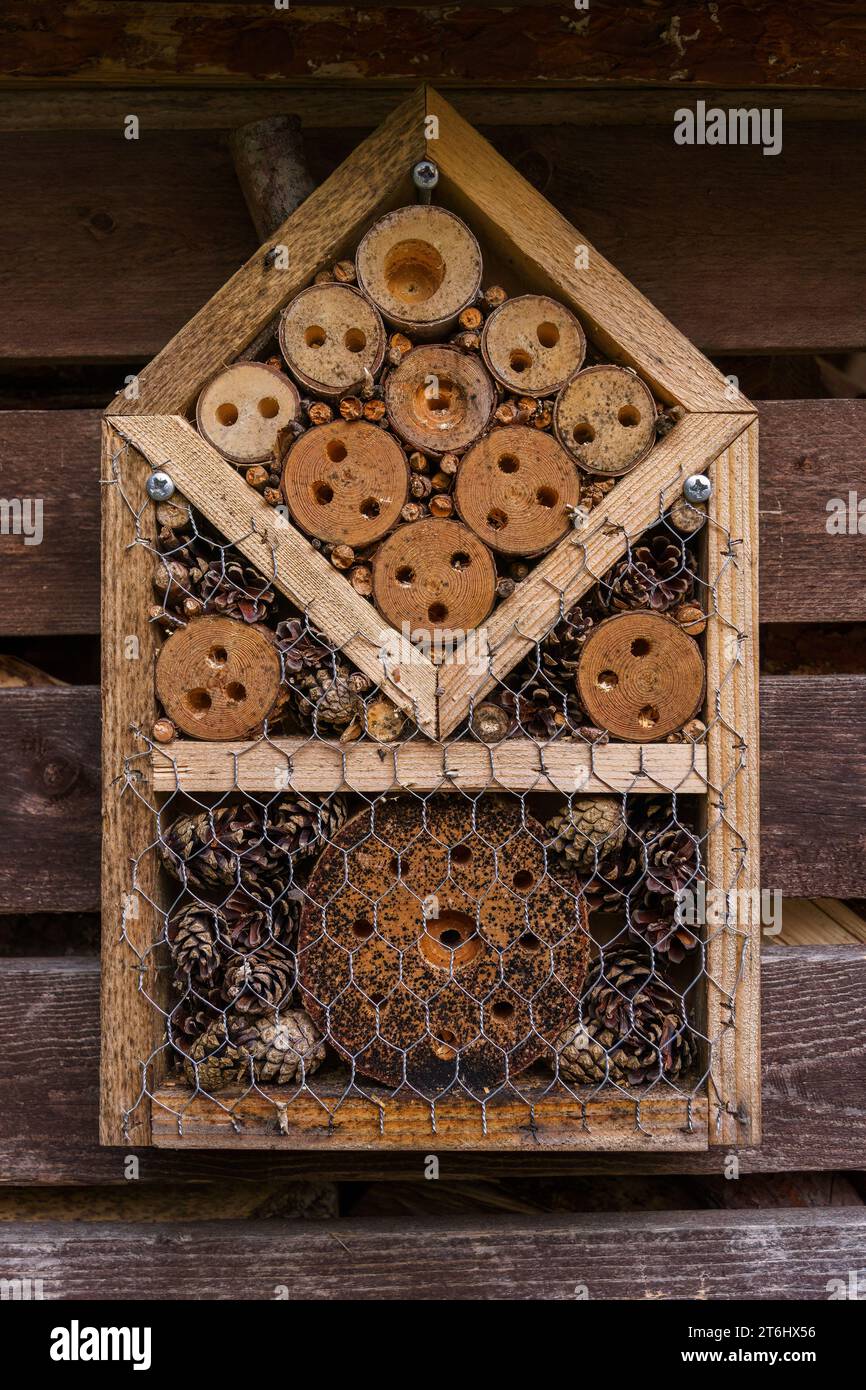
491, 943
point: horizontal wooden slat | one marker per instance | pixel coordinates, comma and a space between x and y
810, 451
814, 1088
736, 287
762, 42
775, 1254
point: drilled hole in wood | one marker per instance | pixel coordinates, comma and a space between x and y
508, 464
583, 432
217, 656
502, 1009
413, 270
314, 336
355, 340
461, 854
395, 865
227, 414
547, 496
336, 450
628, 416
523, 880
497, 519
640, 646
520, 361
198, 702
438, 399
404, 574
529, 942
607, 680
437, 612
548, 334
236, 693
269, 407
648, 717
323, 493
362, 928
460, 560
449, 941
370, 508
445, 1048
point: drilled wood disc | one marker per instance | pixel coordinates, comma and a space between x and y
473, 953
218, 678
514, 488
420, 266
432, 575
330, 335
242, 410
640, 676
533, 344
346, 482
605, 416
439, 399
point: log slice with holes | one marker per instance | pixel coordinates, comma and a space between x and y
432, 575
533, 344
218, 678
440, 951
605, 416
242, 410
515, 488
332, 338
640, 676
346, 482
439, 400
421, 266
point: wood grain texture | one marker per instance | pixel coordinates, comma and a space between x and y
513, 218
278, 549
375, 177
753, 42
131, 1024
777, 1254
810, 451
575, 564
814, 1096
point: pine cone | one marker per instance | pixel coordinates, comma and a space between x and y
654, 922
633, 1029
246, 924
204, 571
561, 648
192, 1015
301, 648
658, 575
329, 696
672, 861
192, 939
247, 844
594, 839
272, 1050
260, 982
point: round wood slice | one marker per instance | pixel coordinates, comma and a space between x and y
242, 410
329, 335
346, 482
514, 488
473, 953
434, 574
605, 416
640, 676
421, 266
439, 400
533, 344
218, 678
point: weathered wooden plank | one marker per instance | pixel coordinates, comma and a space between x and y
814, 1089
775, 1254
630, 189
759, 42
810, 452
813, 789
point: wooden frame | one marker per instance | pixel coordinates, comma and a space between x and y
716, 433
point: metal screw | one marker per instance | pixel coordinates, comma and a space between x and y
159, 486
425, 177
697, 488
271, 257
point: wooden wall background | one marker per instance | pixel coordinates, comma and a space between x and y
106, 247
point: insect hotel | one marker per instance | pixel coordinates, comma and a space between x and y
430, 692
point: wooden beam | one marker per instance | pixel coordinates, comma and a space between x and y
775, 1254
195, 42
814, 1094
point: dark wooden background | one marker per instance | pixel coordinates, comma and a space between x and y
107, 246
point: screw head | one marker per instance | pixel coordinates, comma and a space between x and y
697, 488
159, 486
425, 175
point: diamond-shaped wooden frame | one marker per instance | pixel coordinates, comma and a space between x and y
518, 230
